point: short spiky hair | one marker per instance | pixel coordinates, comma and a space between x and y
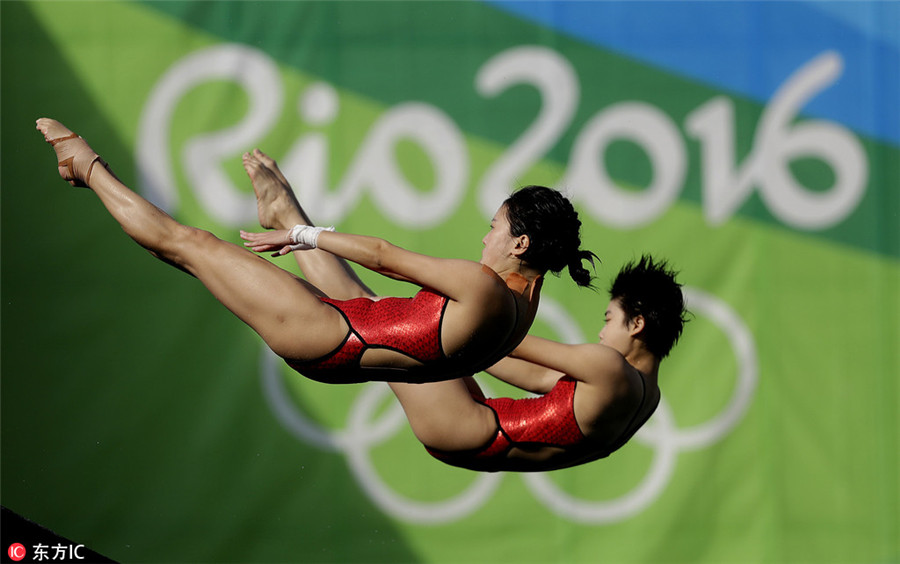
648, 288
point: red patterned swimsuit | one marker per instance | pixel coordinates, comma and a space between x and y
532, 423
548, 420
411, 326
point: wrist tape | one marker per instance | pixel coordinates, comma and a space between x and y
304, 237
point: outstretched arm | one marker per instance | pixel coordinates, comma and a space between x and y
323, 269
461, 281
451, 277
361, 249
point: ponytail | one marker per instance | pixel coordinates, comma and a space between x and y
554, 229
578, 272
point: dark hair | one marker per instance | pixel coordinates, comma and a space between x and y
647, 288
553, 229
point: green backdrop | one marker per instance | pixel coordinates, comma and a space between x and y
755, 145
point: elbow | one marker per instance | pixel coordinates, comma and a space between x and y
380, 255
548, 380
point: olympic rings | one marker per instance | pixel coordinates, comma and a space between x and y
364, 432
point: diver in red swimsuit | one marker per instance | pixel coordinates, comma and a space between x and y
592, 397
480, 320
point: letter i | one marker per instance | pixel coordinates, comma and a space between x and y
306, 163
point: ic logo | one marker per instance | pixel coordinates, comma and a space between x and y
16, 552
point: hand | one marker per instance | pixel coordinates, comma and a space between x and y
278, 241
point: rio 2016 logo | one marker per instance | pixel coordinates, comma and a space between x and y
726, 184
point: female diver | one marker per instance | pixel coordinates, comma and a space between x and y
466, 317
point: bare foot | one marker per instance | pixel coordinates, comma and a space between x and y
74, 156
270, 164
275, 202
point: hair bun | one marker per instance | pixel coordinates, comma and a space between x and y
554, 229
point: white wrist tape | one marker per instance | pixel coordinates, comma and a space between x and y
305, 237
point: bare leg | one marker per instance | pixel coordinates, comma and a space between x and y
444, 416
280, 307
279, 209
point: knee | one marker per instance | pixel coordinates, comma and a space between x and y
193, 236
428, 433
183, 242
187, 237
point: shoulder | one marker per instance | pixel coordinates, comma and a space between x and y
603, 367
603, 360
473, 272
461, 280
611, 389
486, 283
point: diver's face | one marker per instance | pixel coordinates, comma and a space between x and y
616, 332
499, 242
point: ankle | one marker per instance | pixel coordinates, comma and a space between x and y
285, 222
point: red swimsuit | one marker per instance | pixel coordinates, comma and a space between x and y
411, 326
531, 423
548, 420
